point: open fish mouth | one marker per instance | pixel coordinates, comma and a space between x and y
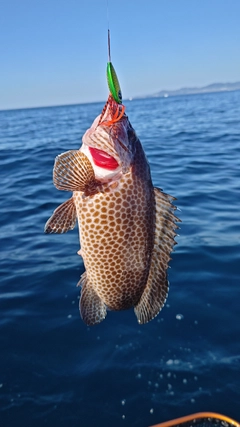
103, 159
107, 139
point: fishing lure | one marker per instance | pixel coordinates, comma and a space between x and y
112, 79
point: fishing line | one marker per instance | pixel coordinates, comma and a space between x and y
109, 47
108, 26
107, 13
112, 79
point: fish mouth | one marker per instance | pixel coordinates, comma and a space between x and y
103, 159
108, 139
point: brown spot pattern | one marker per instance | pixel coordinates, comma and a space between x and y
118, 243
127, 227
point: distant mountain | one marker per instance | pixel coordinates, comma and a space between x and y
214, 87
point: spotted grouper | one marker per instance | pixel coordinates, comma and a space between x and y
127, 226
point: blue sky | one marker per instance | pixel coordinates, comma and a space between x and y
54, 52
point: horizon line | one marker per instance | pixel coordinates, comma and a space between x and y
137, 97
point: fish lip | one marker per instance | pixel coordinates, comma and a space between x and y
102, 174
102, 159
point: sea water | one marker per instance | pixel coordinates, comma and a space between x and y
56, 371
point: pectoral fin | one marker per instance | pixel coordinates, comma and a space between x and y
92, 308
63, 218
73, 172
156, 290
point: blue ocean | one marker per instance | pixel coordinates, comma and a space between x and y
56, 371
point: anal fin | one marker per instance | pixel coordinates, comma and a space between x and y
63, 218
156, 290
92, 308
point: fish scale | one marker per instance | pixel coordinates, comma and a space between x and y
117, 238
127, 227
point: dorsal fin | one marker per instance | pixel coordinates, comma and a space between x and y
156, 290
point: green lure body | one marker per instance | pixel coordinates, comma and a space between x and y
113, 83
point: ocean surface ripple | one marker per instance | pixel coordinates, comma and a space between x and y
56, 371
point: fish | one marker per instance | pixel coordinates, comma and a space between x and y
127, 227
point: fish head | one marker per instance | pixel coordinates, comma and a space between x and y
111, 140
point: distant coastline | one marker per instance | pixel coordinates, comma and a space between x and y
214, 87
